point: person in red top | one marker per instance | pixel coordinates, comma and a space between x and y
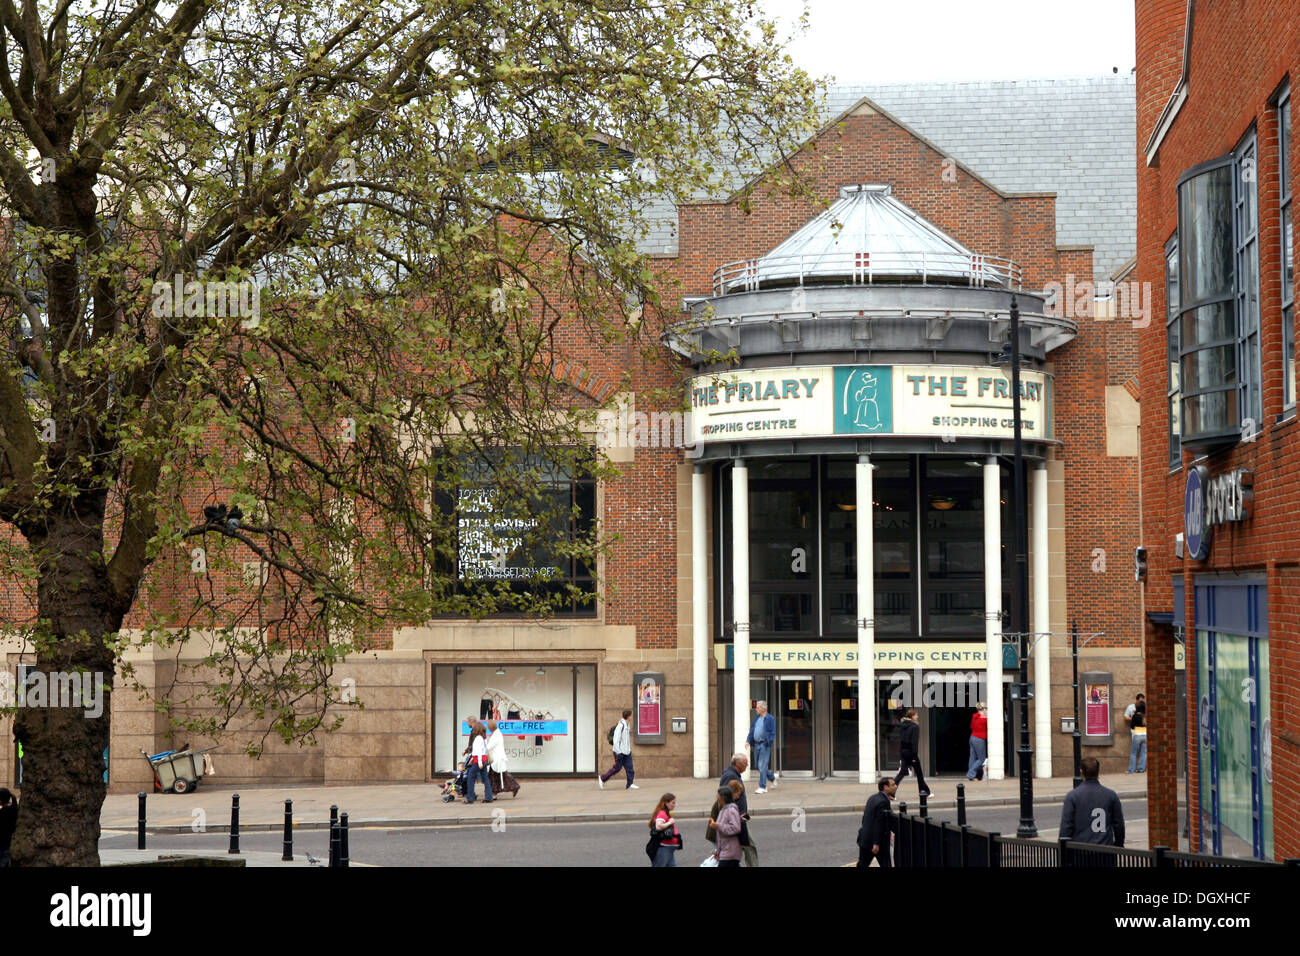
979, 741
664, 824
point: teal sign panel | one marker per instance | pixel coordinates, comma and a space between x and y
864, 400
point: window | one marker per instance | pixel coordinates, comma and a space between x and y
1288, 247
1246, 254
1208, 333
515, 546
1172, 337
783, 557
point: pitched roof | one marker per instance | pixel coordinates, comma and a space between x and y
1076, 137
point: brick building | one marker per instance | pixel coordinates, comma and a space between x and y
945, 222
1216, 172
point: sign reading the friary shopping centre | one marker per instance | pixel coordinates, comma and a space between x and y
945, 401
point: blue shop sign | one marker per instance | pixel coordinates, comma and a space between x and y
1196, 527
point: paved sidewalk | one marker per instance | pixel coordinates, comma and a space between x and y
554, 801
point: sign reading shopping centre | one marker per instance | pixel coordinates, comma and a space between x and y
944, 401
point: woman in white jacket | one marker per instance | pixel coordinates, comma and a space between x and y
496, 754
478, 763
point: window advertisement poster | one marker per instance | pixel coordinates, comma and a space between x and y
648, 717
1096, 708
534, 707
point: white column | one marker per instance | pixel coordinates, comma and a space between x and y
740, 603
993, 614
1042, 655
865, 549
700, 617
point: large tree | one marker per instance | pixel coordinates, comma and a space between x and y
309, 260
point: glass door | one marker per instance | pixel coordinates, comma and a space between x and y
793, 709
844, 725
889, 717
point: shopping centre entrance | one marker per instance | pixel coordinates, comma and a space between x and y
817, 724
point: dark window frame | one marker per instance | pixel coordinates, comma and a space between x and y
1172, 360
1191, 344
1286, 251
580, 485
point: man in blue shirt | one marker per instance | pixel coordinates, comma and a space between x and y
761, 735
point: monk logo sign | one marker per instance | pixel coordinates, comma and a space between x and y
864, 399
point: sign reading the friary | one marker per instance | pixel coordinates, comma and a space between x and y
942, 401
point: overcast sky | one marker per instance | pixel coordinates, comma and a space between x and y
883, 41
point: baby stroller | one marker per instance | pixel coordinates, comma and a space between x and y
455, 787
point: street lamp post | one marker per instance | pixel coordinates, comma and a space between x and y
1078, 737
1020, 589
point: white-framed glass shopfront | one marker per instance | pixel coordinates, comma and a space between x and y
547, 713
1234, 735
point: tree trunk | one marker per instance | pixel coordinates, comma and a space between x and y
63, 784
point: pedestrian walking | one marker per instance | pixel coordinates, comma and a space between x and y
979, 741
1137, 748
732, 776
663, 832
909, 751
496, 754
478, 762
8, 823
727, 827
1092, 813
873, 835
621, 740
761, 735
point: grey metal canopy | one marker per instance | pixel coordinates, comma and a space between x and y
866, 237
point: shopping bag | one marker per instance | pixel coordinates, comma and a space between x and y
710, 860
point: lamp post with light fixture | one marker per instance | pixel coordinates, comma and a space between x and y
1020, 583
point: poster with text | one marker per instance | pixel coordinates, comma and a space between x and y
649, 710
1096, 722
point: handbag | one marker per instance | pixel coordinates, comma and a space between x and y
655, 841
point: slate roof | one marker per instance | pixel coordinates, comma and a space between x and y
1076, 137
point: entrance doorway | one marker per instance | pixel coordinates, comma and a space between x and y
792, 700
816, 722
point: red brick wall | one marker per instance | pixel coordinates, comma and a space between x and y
1240, 54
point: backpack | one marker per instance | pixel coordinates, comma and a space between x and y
610, 736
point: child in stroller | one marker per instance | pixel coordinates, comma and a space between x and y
455, 787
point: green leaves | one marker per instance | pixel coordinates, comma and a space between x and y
442, 204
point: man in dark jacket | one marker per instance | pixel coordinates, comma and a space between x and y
873, 835
739, 764
8, 823
1092, 813
909, 751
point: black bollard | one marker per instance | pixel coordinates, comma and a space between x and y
925, 813
961, 804
343, 839
288, 831
139, 825
234, 823
334, 836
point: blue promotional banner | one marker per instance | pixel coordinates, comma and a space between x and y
546, 728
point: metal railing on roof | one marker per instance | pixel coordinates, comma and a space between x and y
866, 268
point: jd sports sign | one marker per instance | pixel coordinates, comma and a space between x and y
1208, 502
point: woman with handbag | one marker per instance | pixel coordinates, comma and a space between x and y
478, 763
727, 826
663, 830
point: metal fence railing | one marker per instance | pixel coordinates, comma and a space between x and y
920, 841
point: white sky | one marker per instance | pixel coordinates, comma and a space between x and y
890, 41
